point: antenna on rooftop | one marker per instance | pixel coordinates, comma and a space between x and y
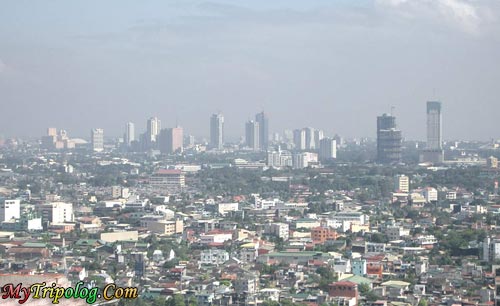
392, 110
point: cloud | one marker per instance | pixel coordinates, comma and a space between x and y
465, 15
3, 67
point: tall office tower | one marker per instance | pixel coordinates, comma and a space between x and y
177, 135
153, 129
171, 140
389, 140
9, 209
318, 135
129, 133
51, 131
401, 183
299, 139
327, 149
288, 136
263, 121
310, 145
217, 131
97, 139
252, 133
434, 149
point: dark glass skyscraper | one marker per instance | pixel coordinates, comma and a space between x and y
217, 131
263, 121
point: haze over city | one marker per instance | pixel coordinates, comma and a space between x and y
332, 64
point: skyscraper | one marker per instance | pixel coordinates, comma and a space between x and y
389, 140
153, 129
217, 131
318, 135
129, 133
177, 139
252, 135
327, 149
171, 140
434, 127
299, 139
310, 145
434, 148
263, 121
97, 139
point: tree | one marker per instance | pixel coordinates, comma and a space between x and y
422, 302
176, 300
364, 288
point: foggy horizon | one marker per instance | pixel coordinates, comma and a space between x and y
334, 66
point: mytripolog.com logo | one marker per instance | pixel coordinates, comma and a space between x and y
55, 294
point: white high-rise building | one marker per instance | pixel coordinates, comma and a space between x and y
217, 131
56, 212
252, 135
279, 159
9, 209
153, 129
327, 149
401, 183
129, 133
491, 249
97, 140
304, 159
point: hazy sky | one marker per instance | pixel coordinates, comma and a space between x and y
334, 65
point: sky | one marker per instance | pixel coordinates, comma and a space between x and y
334, 65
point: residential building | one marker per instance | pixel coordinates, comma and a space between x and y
401, 183
213, 257
322, 234
168, 179
280, 230
56, 212
344, 291
327, 149
97, 140
9, 209
302, 160
279, 159
166, 227
430, 194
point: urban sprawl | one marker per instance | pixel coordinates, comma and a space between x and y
299, 217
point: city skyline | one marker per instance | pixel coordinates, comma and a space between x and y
332, 65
